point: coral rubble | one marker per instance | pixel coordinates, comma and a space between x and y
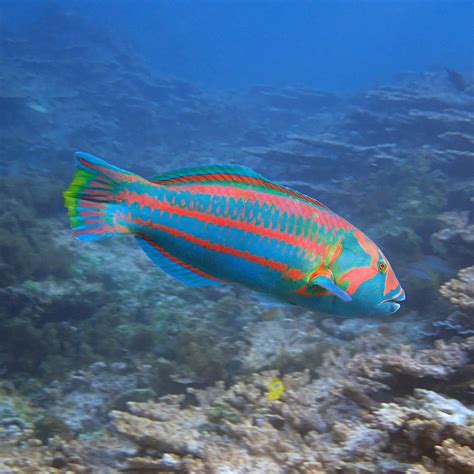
326, 424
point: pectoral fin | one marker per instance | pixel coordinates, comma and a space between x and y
325, 282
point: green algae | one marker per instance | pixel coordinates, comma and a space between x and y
28, 250
14, 405
220, 411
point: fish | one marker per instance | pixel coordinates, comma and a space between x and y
215, 224
276, 387
430, 268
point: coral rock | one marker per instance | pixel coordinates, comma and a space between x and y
456, 457
160, 435
460, 291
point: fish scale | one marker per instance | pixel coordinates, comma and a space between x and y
219, 215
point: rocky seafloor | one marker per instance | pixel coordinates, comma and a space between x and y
107, 364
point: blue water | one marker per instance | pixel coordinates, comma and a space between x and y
334, 45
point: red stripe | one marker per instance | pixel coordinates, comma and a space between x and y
83, 203
360, 274
207, 244
284, 203
91, 213
112, 173
100, 184
312, 247
391, 281
242, 179
295, 274
94, 192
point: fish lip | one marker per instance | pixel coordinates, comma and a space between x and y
392, 305
396, 299
389, 307
395, 306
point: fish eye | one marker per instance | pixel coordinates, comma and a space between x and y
383, 266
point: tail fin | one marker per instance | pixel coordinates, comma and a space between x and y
91, 198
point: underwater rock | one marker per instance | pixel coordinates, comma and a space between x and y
455, 324
83, 400
49, 426
326, 419
281, 342
151, 428
438, 362
460, 291
16, 416
168, 463
419, 111
456, 457
446, 368
457, 237
59, 456
426, 425
287, 152
220, 410
330, 147
458, 140
293, 98
165, 427
457, 80
118, 105
316, 426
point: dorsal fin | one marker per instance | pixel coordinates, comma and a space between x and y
189, 174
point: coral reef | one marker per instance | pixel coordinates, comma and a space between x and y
327, 424
378, 407
105, 456
456, 239
460, 291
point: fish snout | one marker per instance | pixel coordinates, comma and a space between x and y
399, 296
392, 304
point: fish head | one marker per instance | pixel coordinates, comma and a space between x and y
363, 272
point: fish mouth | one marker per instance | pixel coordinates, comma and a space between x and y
400, 296
393, 304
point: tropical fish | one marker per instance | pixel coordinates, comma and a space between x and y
276, 387
226, 223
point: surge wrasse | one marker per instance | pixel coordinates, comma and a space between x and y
226, 223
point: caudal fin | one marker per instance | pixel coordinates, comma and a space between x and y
93, 201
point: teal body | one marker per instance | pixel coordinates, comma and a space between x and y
226, 223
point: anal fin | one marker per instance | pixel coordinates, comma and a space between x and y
185, 273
